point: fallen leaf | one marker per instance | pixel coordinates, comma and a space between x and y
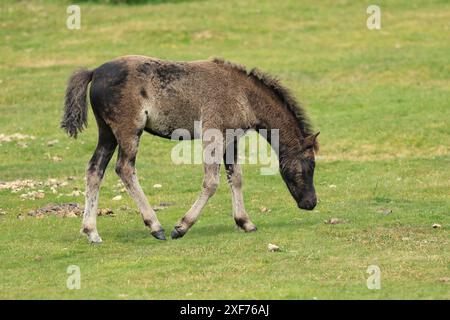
75, 193
264, 209
334, 221
385, 211
51, 143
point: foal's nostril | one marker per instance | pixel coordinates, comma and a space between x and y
308, 204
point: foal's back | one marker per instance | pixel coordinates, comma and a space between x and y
161, 96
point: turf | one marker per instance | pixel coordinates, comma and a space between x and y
379, 98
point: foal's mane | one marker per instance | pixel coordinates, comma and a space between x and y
281, 92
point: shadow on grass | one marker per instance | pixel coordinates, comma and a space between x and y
207, 231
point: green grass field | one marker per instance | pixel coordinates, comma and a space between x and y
380, 98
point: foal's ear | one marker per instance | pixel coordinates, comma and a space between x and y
311, 141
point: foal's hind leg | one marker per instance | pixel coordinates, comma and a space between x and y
125, 168
234, 178
94, 174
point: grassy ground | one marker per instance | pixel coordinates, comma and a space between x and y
380, 99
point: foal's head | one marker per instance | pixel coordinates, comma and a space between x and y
297, 170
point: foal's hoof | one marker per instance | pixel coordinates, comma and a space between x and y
177, 233
247, 226
92, 236
159, 234
253, 228
94, 239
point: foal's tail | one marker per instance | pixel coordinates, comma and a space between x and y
75, 107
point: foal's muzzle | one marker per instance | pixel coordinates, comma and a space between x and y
308, 204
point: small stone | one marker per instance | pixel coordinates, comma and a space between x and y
117, 198
436, 225
157, 186
264, 209
273, 247
51, 143
332, 186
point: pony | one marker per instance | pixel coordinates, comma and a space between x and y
135, 94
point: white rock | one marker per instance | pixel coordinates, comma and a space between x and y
157, 185
273, 247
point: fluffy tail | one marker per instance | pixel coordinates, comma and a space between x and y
75, 107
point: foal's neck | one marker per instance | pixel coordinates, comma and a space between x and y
272, 114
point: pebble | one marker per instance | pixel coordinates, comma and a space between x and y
117, 198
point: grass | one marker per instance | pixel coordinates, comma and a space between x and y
379, 98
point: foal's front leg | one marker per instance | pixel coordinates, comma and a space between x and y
210, 184
234, 178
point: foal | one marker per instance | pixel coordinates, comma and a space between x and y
133, 94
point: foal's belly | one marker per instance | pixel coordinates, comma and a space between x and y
173, 121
